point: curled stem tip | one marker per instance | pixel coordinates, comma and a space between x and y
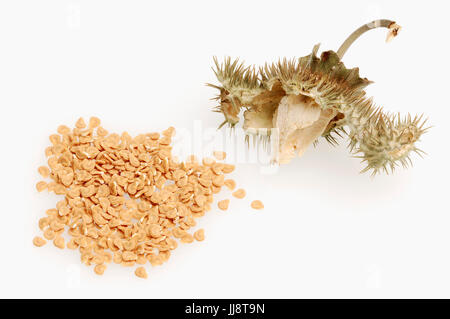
393, 27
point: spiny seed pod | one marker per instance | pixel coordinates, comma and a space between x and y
303, 99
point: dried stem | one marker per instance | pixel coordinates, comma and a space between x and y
393, 27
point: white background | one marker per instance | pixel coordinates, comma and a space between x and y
140, 66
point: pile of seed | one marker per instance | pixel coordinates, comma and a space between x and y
126, 200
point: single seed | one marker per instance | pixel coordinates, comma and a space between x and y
55, 139
117, 258
257, 204
172, 243
141, 260
187, 238
141, 272
107, 257
40, 186
39, 241
59, 242
51, 186
80, 123
94, 122
154, 136
56, 226
199, 235
129, 256
230, 184
169, 132
98, 260
100, 269
49, 234
240, 193
49, 151
44, 171
62, 129
101, 131
228, 168
72, 244
223, 204
219, 155
59, 189
43, 222
218, 181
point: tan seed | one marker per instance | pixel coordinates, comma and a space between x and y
240, 193
199, 235
230, 184
228, 168
169, 132
43, 222
187, 238
59, 242
80, 123
39, 241
100, 269
60, 189
220, 155
129, 256
55, 139
117, 257
49, 234
141, 260
44, 171
257, 204
223, 204
107, 257
49, 151
98, 260
218, 181
141, 272
94, 122
72, 244
62, 129
40, 186
101, 131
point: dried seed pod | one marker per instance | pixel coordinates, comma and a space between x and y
294, 102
